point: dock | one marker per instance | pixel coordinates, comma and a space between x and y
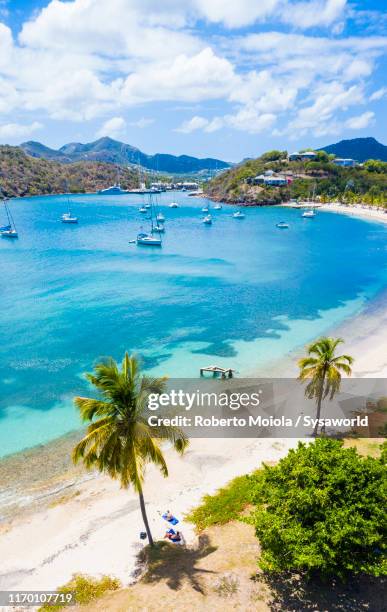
217, 370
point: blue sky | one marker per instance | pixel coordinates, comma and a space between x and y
202, 77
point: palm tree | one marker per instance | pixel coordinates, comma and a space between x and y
322, 368
119, 441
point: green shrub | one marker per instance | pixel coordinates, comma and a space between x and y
322, 510
85, 589
224, 506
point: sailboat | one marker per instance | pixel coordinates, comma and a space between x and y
239, 215
68, 217
218, 207
153, 237
207, 220
9, 230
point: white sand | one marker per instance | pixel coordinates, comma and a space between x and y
97, 532
357, 210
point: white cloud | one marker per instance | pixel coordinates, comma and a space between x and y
236, 14
314, 13
193, 124
114, 128
378, 94
361, 121
15, 131
142, 123
83, 59
249, 120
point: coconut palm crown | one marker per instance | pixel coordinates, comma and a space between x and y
323, 368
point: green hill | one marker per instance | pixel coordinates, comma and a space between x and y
366, 183
360, 149
113, 151
22, 175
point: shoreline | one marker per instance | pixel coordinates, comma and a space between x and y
365, 213
43, 489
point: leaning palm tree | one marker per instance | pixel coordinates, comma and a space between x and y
322, 368
119, 441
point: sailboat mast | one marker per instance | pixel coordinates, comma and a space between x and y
9, 215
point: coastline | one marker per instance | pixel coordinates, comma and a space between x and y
366, 213
103, 535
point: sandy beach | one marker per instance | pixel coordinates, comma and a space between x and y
56, 519
43, 550
357, 210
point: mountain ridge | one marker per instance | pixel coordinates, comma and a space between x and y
359, 149
108, 150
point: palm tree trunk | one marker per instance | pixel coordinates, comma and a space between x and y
318, 413
319, 402
145, 518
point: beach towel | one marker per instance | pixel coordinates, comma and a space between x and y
172, 521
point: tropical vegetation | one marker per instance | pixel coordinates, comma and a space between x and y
322, 369
22, 175
119, 441
363, 184
83, 589
321, 510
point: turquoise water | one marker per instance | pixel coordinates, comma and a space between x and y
240, 293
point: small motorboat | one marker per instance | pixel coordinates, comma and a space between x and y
143, 209
218, 207
147, 206
9, 233
207, 220
160, 218
148, 240
308, 214
205, 209
282, 225
173, 205
69, 218
158, 228
239, 215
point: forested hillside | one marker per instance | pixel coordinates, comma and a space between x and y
22, 175
366, 183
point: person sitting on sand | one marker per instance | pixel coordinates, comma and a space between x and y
173, 537
168, 515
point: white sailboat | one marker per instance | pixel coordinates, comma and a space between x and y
153, 237
8, 230
239, 215
207, 220
218, 207
67, 217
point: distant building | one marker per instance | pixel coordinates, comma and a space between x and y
306, 156
276, 181
270, 179
258, 180
350, 163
